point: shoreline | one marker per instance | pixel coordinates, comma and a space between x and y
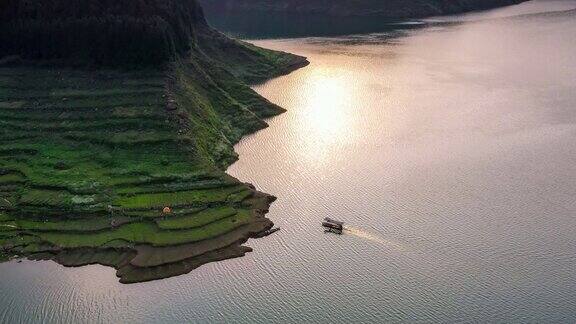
70, 245
340, 10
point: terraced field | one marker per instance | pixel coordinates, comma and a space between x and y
89, 160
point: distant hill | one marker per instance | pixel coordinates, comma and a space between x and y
125, 33
383, 8
104, 32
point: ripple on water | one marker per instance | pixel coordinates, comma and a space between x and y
449, 152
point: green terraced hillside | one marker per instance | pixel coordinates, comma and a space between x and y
90, 157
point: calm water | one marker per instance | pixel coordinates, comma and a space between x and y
277, 25
449, 151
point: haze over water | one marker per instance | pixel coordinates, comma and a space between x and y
449, 152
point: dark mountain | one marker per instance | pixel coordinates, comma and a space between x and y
381, 8
125, 33
104, 32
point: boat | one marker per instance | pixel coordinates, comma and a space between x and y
330, 220
333, 226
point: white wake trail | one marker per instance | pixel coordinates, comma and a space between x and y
358, 232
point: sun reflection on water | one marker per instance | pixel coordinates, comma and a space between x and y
325, 99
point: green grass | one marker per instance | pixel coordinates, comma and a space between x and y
80, 225
75, 142
182, 198
251, 63
11, 178
55, 198
20, 241
5, 217
148, 233
76, 145
197, 219
8, 226
240, 196
156, 213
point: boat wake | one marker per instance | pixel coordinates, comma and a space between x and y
366, 235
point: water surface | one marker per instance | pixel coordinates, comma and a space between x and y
449, 151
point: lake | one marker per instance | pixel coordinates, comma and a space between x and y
447, 149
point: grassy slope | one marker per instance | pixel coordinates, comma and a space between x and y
89, 156
75, 142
